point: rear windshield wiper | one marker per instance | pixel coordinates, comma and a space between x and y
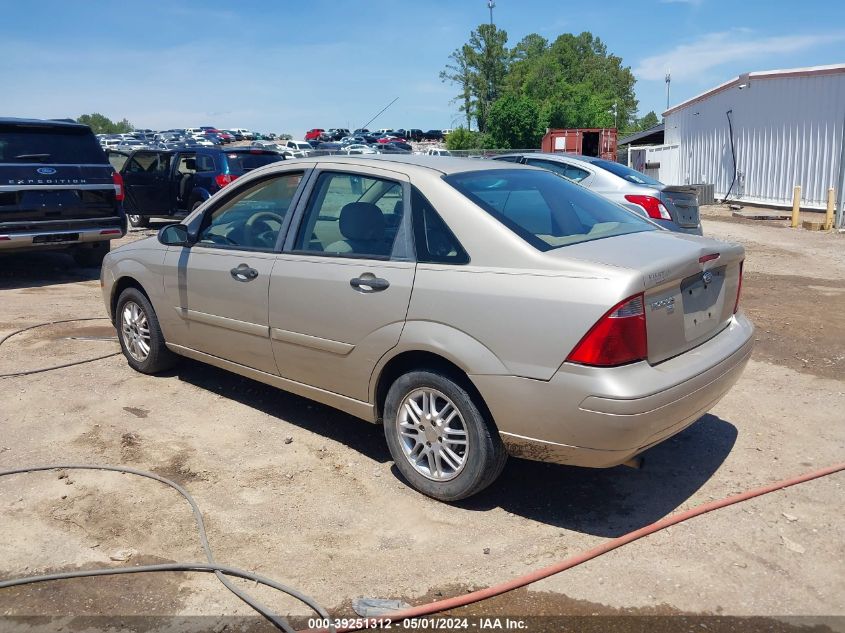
36, 157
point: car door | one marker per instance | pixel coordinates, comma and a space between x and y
340, 290
146, 179
219, 285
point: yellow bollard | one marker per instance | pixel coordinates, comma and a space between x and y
828, 216
796, 206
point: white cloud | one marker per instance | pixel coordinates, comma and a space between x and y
716, 49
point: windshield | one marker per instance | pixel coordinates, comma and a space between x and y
242, 162
631, 175
49, 144
544, 209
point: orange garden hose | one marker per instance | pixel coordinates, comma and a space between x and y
595, 552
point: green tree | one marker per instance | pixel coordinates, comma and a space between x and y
101, 124
458, 71
462, 138
649, 120
479, 68
514, 122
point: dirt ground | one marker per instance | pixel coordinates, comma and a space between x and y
308, 496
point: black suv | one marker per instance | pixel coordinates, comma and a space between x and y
57, 190
174, 182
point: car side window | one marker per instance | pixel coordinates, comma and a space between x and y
434, 242
148, 163
205, 162
351, 215
570, 172
253, 218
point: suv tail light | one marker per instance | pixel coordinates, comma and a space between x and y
738, 287
117, 179
653, 207
619, 337
224, 179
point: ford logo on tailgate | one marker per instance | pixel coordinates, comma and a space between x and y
46, 171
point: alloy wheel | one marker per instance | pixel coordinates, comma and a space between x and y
432, 434
135, 330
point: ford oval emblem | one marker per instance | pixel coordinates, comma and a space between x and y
46, 171
707, 277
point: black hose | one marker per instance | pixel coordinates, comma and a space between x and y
43, 369
733, 155
219, 570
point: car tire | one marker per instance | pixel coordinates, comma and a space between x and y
138, 328
138, 221
428, 451
90, 255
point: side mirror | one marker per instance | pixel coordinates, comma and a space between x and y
174, 235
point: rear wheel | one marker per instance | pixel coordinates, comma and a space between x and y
138, 221
140, 335
90, 255
440, 440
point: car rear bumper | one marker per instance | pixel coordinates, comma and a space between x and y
601, 417
37, 239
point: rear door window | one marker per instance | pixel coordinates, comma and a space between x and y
149, 162
545, 210
570, 172
350, 215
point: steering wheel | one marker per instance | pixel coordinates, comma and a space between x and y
257, 228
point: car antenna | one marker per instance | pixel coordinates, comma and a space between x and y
363, 127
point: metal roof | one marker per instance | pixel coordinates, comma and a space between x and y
655, 130
808, 71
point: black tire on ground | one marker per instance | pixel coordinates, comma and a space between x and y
485, 455
90, 255
138, 221
159, 357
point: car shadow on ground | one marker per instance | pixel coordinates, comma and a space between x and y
613, 501
602, 502
46, 268
361, 436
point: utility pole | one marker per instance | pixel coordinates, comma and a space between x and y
491, 4
668, 82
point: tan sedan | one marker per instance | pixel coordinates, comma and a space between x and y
474, 309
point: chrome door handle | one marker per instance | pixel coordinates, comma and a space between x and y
244, 273
369, 284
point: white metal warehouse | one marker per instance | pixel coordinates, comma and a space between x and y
787, 128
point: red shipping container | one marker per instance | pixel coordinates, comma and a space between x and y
586, 141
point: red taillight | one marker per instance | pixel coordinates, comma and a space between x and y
738, 287
224, 179
653, 207
117, 179
110, 232
618, 338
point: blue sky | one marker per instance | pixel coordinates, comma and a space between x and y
288, 65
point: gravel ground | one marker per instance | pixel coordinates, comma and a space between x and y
308, 496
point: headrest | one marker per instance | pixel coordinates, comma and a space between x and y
191, 163
361, 221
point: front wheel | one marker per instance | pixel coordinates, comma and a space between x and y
140, 335
440, 440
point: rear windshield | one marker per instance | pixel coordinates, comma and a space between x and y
631, 175
544, 209
242, 162
49, 144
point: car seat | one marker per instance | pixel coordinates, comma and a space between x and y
362, 226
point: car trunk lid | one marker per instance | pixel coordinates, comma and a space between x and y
689, 284
682, 204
